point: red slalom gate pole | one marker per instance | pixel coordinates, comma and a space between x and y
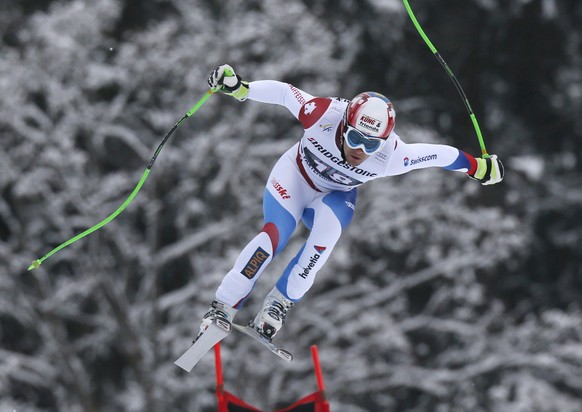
318, 373
319, 377
219, 379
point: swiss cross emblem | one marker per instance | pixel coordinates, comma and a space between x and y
309, 108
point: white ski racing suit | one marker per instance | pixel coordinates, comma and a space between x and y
311, 182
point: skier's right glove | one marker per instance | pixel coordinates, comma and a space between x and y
224, 79
489, 170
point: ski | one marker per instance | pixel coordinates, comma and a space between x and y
217, 330
282, 353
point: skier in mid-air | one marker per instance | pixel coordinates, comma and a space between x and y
345, 144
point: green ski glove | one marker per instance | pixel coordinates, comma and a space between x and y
224, 79
489, 170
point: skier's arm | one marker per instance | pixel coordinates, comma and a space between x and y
224, 79
275, 92
407, 157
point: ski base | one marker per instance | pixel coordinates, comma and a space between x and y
217, 331
282, 353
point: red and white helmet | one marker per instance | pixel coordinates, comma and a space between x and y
372, 114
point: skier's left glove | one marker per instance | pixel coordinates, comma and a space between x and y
224, 79
489, 170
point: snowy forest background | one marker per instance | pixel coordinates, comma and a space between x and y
442, 296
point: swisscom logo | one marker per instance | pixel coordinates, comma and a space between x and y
420, 159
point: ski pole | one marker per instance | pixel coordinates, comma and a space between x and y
451, 75
36, 263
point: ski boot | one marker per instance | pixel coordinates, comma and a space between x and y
217, 309
272, 316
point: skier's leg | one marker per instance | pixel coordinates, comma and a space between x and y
283, 204
327, 216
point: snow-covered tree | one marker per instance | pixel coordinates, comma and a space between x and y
442, 296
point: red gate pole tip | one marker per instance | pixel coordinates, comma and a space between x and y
317, 365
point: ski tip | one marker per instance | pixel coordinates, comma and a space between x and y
285, 355
35, 264
183, 367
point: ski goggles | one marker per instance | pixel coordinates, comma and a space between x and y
358, 140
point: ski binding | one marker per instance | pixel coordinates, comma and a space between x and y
282, 353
